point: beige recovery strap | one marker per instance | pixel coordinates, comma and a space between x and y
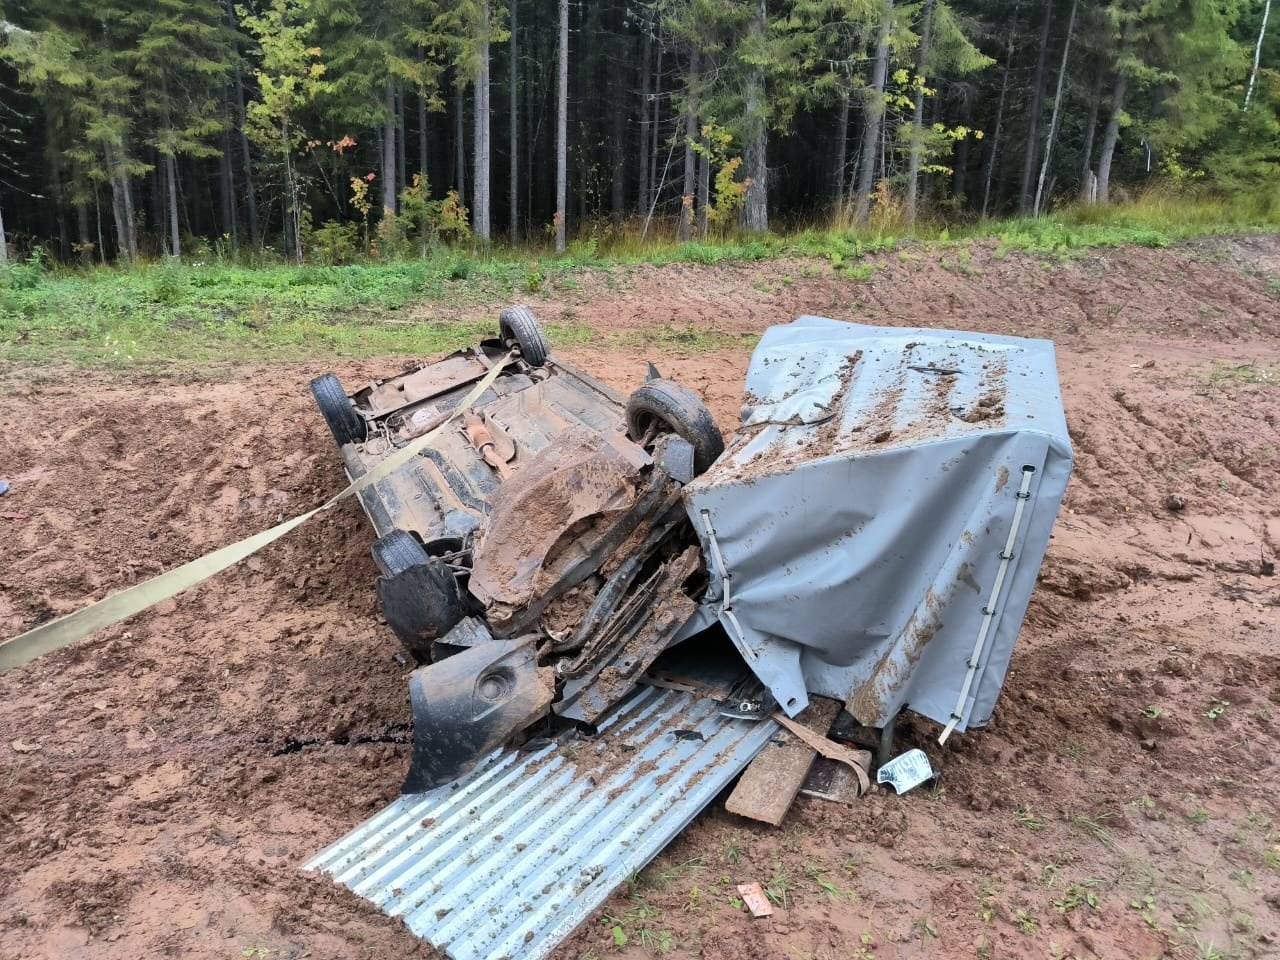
87, 621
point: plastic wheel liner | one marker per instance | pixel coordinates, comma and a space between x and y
874, 531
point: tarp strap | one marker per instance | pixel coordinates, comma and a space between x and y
87, 621
989, 610
726, 599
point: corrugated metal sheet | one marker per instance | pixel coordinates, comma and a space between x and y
508, 860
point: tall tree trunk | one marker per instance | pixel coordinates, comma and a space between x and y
1110, 137
704, 187
402, 134
171, 188
685, 228
842, 151
562, 127
422, 135
513, 188
292, 212
618, 164
121, 202
459, 141
117, 213
1257, 54
227, 188
917, 117
1057, 105
755, 159
655, 130
1037, 107
389, 152
646, 79
481, 138
82, 229
995, 139
4, 244
246, 156
874, 119
1090, 130
959, 178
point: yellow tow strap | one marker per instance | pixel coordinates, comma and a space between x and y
87, 621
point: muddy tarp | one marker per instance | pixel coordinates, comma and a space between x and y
864, 531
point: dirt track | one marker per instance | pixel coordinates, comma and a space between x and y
160, 784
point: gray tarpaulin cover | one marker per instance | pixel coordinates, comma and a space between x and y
875, 529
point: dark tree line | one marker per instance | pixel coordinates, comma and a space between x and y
328, 129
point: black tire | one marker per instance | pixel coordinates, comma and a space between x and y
519, 325
679, 410
418, 593
397, 552
344, 423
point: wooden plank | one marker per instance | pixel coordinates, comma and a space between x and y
771, 781
754, 897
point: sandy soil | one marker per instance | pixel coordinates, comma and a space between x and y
161, 783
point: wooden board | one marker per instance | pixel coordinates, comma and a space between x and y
771, 781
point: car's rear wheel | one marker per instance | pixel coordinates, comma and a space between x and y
344, 423
418, 593
667, 406
520, 327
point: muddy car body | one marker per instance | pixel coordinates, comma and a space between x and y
536, 557
872, 533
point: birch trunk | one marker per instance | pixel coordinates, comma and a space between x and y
562, 127
4, 244
513, 187
1057, 105
874, 118
481, 139
1257, 54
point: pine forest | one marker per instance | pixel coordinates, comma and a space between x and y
335, 130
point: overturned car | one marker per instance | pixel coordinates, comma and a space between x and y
872, 533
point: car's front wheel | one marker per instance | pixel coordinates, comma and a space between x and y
665, 406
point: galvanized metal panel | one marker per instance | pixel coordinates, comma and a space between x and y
509, 859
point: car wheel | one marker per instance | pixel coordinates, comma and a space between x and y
668, 406
521, 327
418, 593
344, 423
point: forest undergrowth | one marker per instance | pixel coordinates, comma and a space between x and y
208, 307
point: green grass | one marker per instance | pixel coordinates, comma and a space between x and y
171, 311
156, 313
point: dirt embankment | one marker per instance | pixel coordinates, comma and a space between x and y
161, 783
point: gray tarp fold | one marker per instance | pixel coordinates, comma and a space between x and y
856, 528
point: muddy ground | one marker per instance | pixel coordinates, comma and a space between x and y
161, 784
